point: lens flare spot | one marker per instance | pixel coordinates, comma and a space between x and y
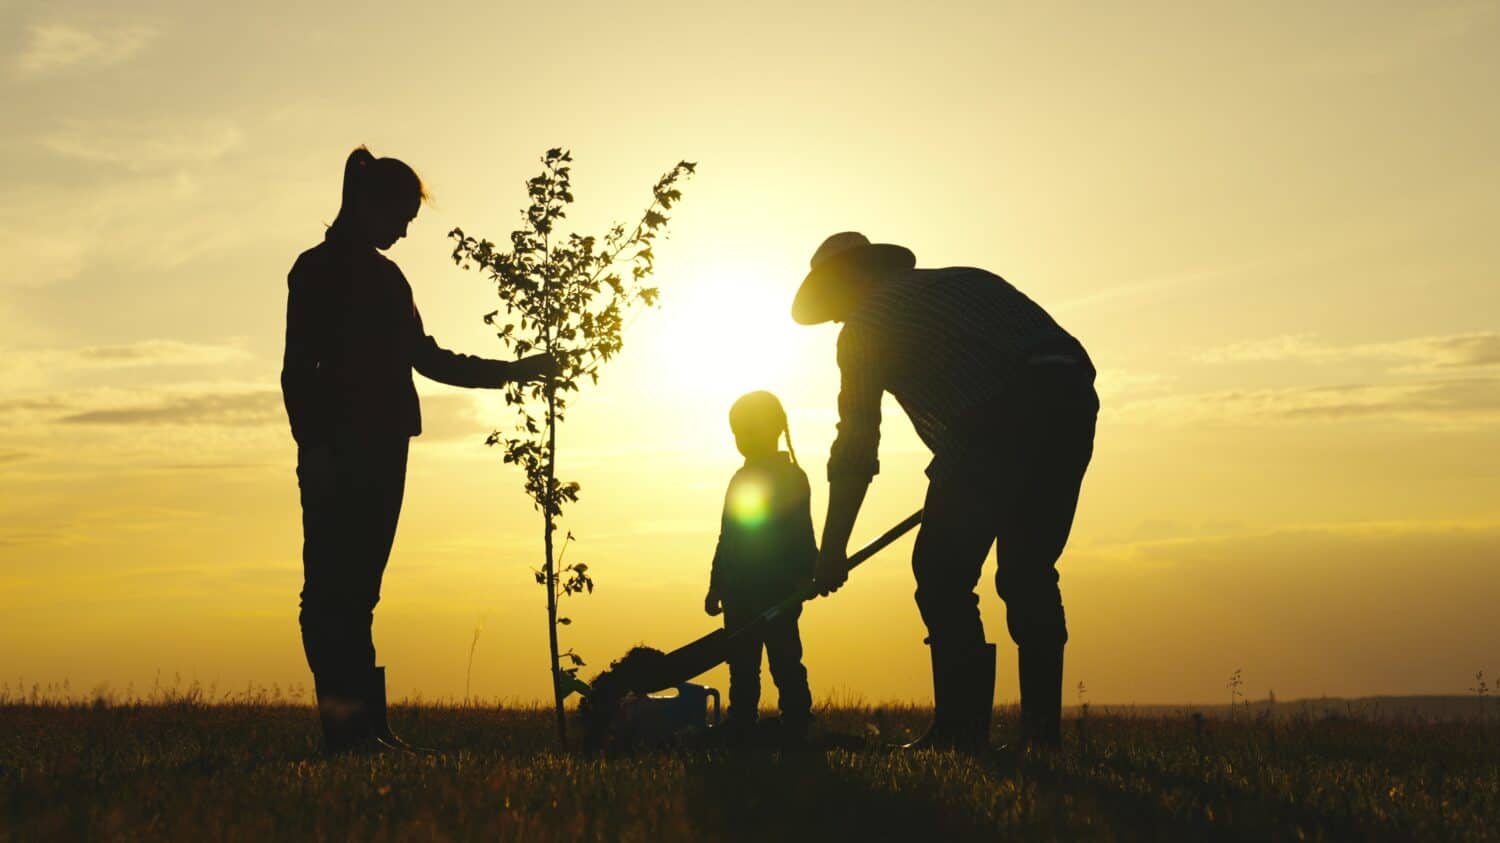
749, 504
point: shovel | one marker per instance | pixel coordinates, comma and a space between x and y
707, 652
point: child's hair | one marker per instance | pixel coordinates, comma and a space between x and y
761, 411
367, 178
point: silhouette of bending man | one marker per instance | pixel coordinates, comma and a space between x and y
353, 337
1004, 398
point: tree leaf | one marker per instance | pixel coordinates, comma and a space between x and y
569, 684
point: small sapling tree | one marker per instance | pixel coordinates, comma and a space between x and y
568, 296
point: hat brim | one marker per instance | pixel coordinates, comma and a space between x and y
821, 295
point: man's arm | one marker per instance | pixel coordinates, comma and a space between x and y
854, 458
845, 496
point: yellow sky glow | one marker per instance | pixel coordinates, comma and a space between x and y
1271, 225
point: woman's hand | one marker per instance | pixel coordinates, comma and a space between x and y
711, 603
538, 367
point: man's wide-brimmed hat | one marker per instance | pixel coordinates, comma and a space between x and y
824, 293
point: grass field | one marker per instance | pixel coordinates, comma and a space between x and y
189, 771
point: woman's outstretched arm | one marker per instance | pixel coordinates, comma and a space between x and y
440, 364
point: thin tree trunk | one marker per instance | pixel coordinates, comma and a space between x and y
549, 569
549, 509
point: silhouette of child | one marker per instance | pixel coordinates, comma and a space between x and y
766, 548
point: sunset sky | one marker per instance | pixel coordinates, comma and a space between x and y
1272, 224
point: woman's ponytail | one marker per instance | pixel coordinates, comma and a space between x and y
357, 169
368, 178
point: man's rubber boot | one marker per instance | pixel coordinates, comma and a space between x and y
341, 713
379, 727
793, 729
942, 703
963, 691
1041, 674
738, 729
982, 699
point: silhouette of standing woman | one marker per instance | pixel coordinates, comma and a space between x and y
353, 337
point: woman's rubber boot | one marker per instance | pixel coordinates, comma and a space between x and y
1041, 670
379, 727
963, 692
342, 714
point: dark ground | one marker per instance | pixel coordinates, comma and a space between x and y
188, 771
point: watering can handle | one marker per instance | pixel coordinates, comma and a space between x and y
714, 692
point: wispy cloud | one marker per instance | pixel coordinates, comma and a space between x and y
39, 404
94, 525
1437, 400
50, 234
27, 369
185, 404
231, 409
1467, 350
1462, 401
1417, 354
204, 405
154, 352
1124, 383
56, 47
140, 145
1213, 548
1138, 288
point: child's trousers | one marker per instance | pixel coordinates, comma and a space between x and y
782, 642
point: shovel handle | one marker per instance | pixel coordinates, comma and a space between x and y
879, 543
698, 656
885, 539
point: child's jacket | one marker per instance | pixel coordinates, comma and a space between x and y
766, 544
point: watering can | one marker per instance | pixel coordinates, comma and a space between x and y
658, 718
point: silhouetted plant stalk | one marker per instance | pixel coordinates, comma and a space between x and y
1083, 717
1481, 689
566, 296
1236, 685
469, 671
